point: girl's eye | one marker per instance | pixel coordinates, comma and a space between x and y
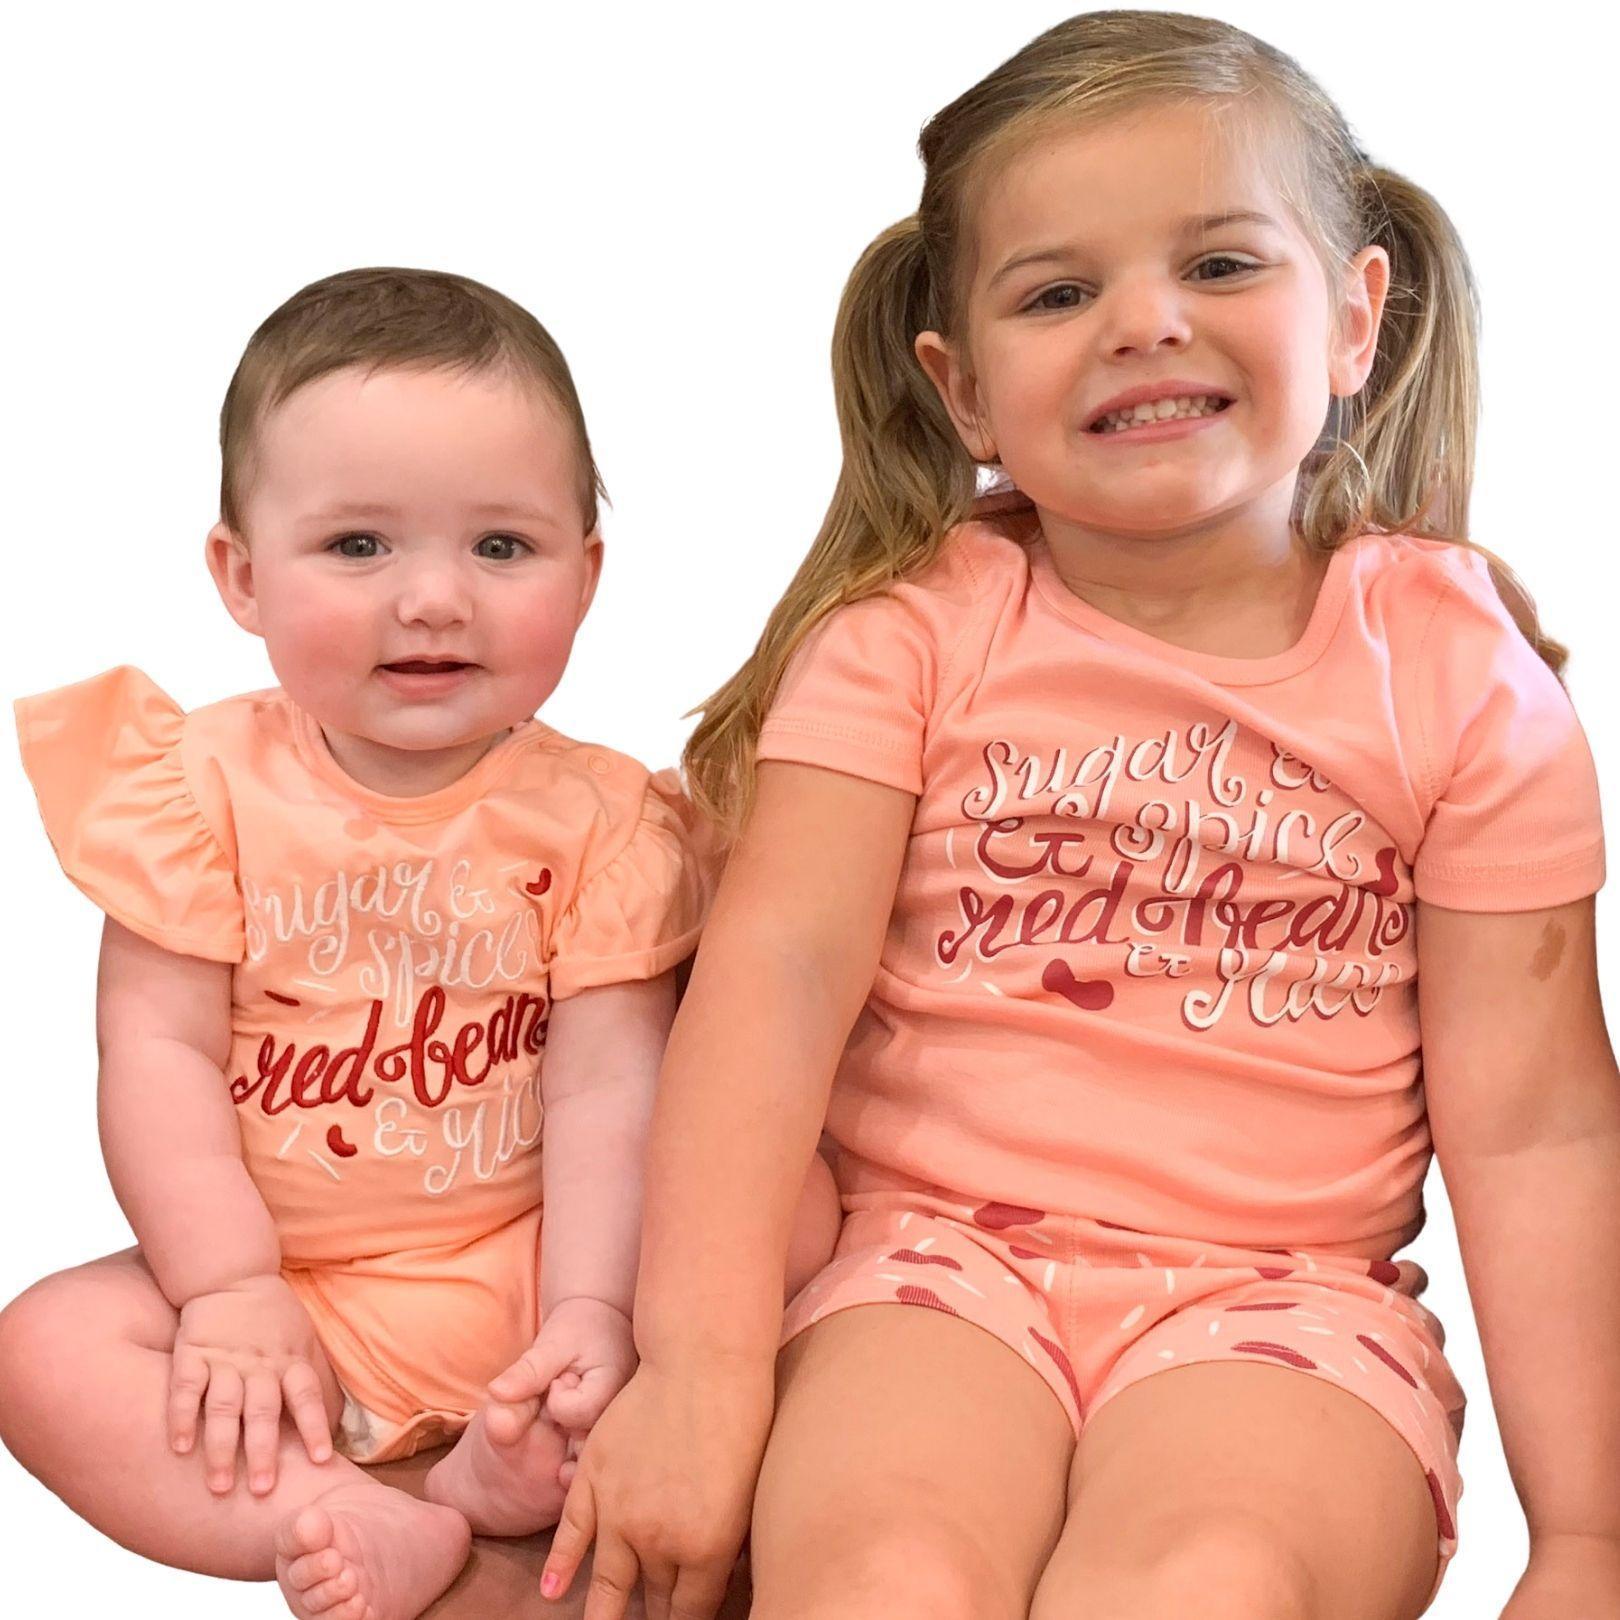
501, 547
356, 545
1223, 258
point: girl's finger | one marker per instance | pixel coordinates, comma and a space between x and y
222, 1422
575, 1531
261, 1429
700, 1589
188, 1378
301, 1386
614, 1572
657, 1583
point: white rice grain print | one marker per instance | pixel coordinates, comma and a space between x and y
1132, 1317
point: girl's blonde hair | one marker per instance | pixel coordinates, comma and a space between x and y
1397, 457
383, 318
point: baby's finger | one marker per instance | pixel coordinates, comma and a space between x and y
222, 1422
261, 1429
532, 1372
577, 1406
188, 1378
301, 1388
575, 1531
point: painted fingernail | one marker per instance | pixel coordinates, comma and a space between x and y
550, 1584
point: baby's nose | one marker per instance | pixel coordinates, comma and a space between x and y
434, 594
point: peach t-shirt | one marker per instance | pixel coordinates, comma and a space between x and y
1152, 956
395, 964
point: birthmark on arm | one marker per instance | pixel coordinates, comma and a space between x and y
1549, 953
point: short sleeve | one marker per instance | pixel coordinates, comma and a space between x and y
1515, 822
640, 913
105, 758
856, 696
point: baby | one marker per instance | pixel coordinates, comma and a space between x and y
347, 917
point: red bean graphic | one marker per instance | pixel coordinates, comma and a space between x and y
335, 1141
1089, 995
911, 1294
1384, 1356
1264, 1347
1384, 1271
286, 1001
1272, 1273
1064, 1365
998, 1217
540, 884
1447, 1529
1267, 1305
1026, 1254
916, 1257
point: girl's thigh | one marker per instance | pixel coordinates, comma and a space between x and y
917, 1467
1241, 1491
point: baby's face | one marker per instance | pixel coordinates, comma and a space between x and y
416, 561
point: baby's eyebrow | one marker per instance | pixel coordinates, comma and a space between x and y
1195, 225
382, 509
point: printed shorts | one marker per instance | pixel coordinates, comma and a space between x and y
1095, 1308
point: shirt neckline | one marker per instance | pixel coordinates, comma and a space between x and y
396, 808
1331, 595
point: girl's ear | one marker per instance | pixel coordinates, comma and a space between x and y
958, 390
1355, 347
232, 567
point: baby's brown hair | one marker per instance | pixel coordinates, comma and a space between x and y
381, 318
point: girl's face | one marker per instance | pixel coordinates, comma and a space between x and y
416, 562
1089, 277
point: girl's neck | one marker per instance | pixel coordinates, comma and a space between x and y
405, 773
1242, 587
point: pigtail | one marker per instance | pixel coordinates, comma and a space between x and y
905, 481
1400, 454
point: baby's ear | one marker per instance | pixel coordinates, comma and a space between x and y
231, 564
593, 572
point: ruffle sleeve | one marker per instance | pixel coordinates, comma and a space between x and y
106, 761
641, 912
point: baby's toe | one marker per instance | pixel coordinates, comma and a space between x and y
307, 1531
311, 1568
329, 1595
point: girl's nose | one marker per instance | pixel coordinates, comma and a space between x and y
434, 594
1144, 314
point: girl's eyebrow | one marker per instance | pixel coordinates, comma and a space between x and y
1197, 225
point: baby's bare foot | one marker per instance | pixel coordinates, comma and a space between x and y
502, 1487
368, 1552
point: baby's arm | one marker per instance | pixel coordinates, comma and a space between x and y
603, 1048
173, 1151
1524, 1107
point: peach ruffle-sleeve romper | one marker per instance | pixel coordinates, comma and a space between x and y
1138, 1082
395, 964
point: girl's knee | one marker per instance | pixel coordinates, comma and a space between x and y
911, 1573
1217, 1569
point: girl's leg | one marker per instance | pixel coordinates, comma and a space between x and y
916, 1467
1241, 1491
84, 1375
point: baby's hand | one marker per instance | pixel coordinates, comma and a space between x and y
240, 1354
582, 1357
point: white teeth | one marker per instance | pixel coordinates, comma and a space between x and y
1160, 410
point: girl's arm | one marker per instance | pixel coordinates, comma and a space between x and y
174, 1157
1524, 1107
784, 967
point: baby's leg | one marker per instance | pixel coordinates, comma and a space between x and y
505, 1474
84, 1377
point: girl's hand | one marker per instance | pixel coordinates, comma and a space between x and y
241, 1354
1569, 1577
582, 1357
664, 1488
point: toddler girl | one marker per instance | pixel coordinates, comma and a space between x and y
346, 919
1102, 839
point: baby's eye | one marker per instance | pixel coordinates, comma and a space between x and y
501, 547
356, 545
1064, 296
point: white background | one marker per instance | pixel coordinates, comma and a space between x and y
678, 193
